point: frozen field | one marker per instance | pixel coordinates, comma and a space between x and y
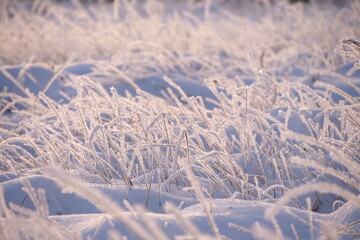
179, 119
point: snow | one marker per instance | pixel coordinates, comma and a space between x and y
179, 120
79, 216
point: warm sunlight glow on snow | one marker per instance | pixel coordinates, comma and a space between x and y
198, 119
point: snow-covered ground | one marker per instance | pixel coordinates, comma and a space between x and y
179, 119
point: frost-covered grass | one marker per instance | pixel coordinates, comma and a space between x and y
187, 120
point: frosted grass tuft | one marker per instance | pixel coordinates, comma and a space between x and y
182, 101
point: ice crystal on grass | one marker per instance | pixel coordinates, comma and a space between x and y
350, 48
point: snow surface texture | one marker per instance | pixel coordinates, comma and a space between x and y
179, 119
